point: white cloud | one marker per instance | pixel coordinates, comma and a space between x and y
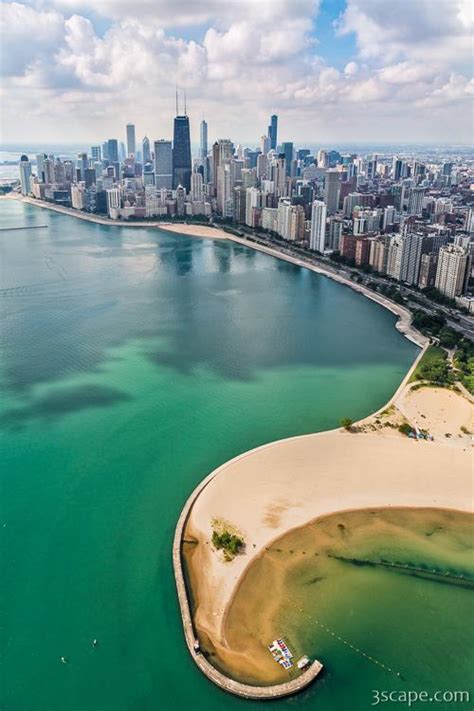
169, 13
79, 77
26, 35
351, 69
423, 29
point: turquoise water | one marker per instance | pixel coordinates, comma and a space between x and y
133, 362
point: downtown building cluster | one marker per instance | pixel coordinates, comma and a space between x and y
409, 220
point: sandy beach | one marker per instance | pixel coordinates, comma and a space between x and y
269, 491
204, 231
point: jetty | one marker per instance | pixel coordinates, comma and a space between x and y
24, 227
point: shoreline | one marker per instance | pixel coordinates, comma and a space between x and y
403, 324
429, 490
190, 230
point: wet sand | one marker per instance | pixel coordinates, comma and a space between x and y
299, 580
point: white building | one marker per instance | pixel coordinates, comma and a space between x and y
113, 201
253, 204
451, 271
269, 218
284, 218
317, 238
25, 175
77, 196
394, 260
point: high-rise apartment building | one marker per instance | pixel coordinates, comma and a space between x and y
317, 239
253, 206
25, 175
451, 270
415, 201
411, 257
428, 266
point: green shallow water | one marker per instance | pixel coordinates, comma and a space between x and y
385, 598
133, 362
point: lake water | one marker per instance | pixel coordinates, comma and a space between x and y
133, 362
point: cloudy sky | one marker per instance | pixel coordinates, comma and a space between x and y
333, 70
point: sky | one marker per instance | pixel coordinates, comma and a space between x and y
77, 71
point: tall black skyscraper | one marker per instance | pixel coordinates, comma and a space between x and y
272, 131
181, 150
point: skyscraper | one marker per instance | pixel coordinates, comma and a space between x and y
415, 201
131, 146
203, 146
287, 149
265, 144
146, 150
273, 131
82, 165
164, 165
112, 150
181, 150
196, 187
96, 153
25, 175
331, 190
222, 152
411, 257
317, 239
451, 271
40, 158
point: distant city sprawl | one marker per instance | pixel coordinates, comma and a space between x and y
406, 219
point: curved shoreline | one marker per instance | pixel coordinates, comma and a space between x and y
213, 674
403, 325
429, 498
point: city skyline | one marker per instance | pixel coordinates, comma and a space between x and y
334, 71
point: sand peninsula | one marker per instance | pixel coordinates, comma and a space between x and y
267, 492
